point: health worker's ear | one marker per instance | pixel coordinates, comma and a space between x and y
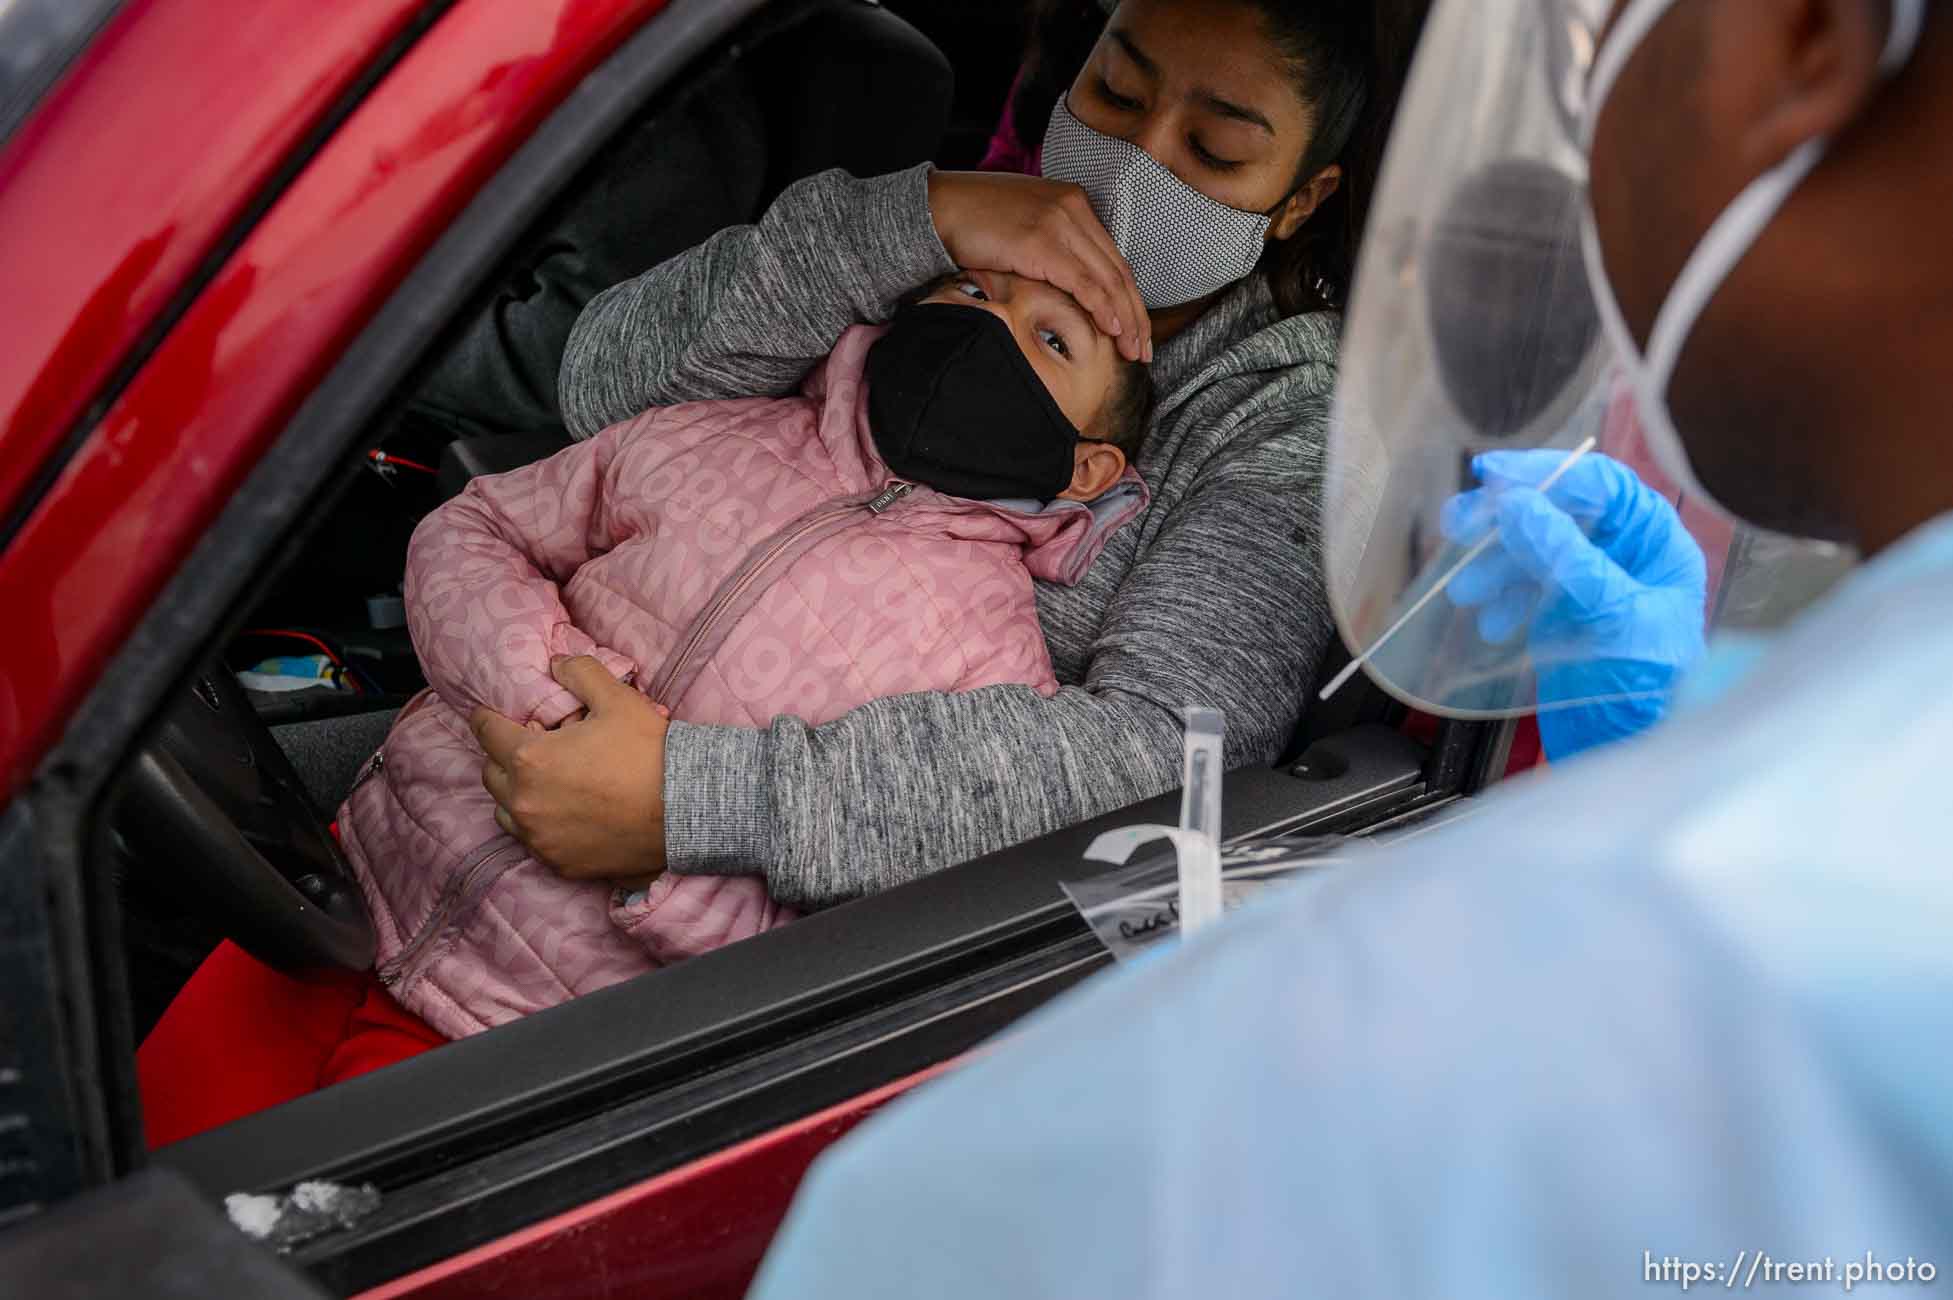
1095, 467
1812, 68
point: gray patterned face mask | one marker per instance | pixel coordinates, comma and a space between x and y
1180, 244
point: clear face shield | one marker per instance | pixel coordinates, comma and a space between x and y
1488, 550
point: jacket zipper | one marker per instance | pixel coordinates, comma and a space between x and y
488, 863
379, 759
887, 497
458, 896
464, 885
677, 667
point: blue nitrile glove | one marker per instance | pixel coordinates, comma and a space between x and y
1600, 574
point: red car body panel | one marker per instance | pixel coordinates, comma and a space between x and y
123, 181
695, 1233
150, 477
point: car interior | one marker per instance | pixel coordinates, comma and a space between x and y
802, 88
220, 815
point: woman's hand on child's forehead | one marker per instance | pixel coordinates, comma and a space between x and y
1044, 232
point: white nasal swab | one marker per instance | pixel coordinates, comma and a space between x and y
1478, 548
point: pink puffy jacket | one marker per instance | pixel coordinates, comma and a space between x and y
735, 560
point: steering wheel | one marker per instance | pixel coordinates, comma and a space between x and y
215, 800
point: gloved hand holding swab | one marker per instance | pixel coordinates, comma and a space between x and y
1477, 549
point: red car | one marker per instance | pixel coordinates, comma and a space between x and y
244, 240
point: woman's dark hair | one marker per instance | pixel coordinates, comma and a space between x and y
1349, 59
1061, 38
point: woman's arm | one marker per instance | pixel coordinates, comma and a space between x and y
482, 588
752, 309
748, 312
1225, 608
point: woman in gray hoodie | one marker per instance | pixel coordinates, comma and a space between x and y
1202, 187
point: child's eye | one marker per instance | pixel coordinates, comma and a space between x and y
1124, 103
971, 289
1055, 341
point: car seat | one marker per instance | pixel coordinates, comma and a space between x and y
804, 87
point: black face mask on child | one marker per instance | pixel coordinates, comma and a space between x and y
955, 405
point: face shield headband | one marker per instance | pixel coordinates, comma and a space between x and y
1728, 240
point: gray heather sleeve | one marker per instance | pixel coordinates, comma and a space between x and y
1225, 608
752, 309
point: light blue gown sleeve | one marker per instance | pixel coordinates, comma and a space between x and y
1680, 1006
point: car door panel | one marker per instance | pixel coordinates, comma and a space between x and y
147, 161
152, 475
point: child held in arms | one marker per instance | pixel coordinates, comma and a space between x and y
876, 534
